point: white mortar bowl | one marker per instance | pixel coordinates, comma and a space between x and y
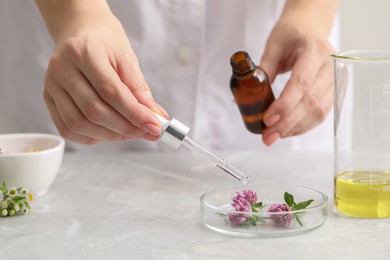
30, 160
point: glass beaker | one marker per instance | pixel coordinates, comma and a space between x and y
362, 133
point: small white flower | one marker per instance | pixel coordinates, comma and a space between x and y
15, 201
30, 196
16, 207
4, 212
4, 204
24, 209
12, 212
12, 192
22, 192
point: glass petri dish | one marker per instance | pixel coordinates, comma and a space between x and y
218, 214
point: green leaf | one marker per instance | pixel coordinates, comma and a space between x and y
259, 219
302, 205
258, 204
3, 188
298, 220
289, 199
251, 221
18, 198
256, 207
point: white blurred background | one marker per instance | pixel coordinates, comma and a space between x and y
364, 24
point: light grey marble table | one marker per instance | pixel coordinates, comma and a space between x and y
146, 206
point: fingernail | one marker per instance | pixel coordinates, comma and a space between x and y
162, 110
272, 119
151, 129
150, 137
271, 139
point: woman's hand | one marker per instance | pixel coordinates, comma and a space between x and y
94, 88
299, 46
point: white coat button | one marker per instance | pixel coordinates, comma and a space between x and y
184, 54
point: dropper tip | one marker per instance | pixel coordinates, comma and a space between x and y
245, 180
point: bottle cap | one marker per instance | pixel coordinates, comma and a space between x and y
172, 131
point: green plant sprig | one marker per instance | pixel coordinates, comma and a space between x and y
289, 199
14, 201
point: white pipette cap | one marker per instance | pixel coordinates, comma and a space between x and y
172, 131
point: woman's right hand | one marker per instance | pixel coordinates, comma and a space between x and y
94, 88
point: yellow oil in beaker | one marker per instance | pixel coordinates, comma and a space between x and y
364, 194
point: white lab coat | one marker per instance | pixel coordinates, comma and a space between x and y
184, 49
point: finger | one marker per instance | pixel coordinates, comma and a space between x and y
311, 110
318, 116
61, 126
270, 62
164, 113
298, 121
129, 71
316, 105
303, 74
150, 137
110, 88
74, 119
96, 111
139, 88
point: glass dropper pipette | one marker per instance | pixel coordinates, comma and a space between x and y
174, 134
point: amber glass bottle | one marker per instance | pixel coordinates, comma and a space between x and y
251, 90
